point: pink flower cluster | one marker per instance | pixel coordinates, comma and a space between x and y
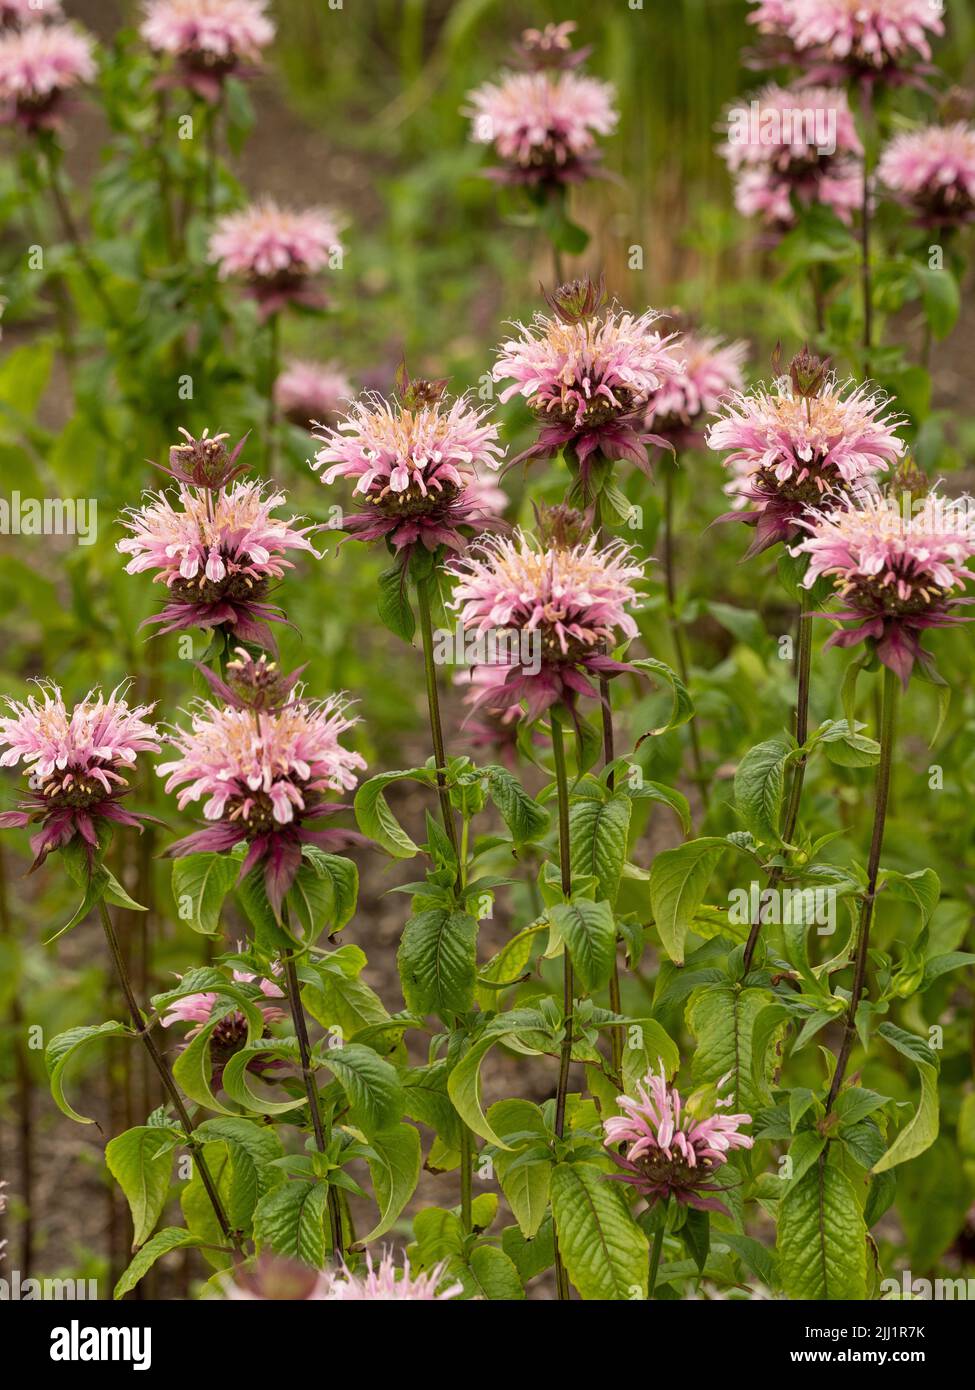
789, 452
276, 250
932, 171
415, 466
569, 605
711, 368
277, 1278
262, 774
79, 763
589, 382
18, 14
38, 65
220, 32
543, 125
670, 1153
895, 568
794, 142
230, 1032
311, 392
865, 34
216, 552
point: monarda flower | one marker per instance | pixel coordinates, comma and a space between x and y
789, 451
276, 251
415, 463
550, 47
263, 776
588, 383
669, 1152
896, 570
18, 14
864, 38
772, 16
38, 66
710, 370
562, 609
795, 130
209, 39
312, 393
230, 1033
216, 553
385, 1283
79, 765
543, 125
932, 171
762, 192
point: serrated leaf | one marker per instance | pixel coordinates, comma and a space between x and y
393, 603
682, 708
488, 1273
290, 1219
921, 1130
598, 833
589, 932
722, 1018
371, 1084
525, 1179
141, 1162
376, 820
170, 1238
437, 962
605, 1253
759, 781
201, 882
523, 816
822, 1238
679, 879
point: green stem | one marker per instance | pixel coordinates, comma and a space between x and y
74, 236
165, 1076
466, 1178
568, 1008
676, 631
803, 679
888, 732
609, 757
658, 1245
311, 1093
433, 705
865, 271
271, 416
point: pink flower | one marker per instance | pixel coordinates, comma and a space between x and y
933, 172
312, 392
550, 47
791, 129
710, 370
18, 14
865, 36
263, 775
79, 764
210, 38
493, 727
789, 451
216, 553
772, 16
38, 65
231, 1032
386, 1283
588, 382
415, 463
895, 568
670, 1153
276, 250
761, 191
543, 125
549, 613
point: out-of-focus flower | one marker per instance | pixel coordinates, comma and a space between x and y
588, 383
385, 1283
550, 47
18, 14
493, 725
38, 66
788, 452
772, 16
543, 125
670, 1152
276, 251
275, 1278
552, 614
710, 370
210, 39
865, 37
230, 1033
216, 553
896, 569
932, 171
791, 129
415, 463
3, 1207
263, 776
312, 393
79, 764
761, 191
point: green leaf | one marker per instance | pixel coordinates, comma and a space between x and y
679, 879
62, 1048
290, 1219
169, 1238
437, 962
324, 893
237, 1076
487, 1273
921, 1130
598, 833
759, 780
341, 1001
667, 796
696, 1232
589, 932
682, 708
941, 297
922, 888
603, 1249
463, 1084
253, 1149
722, 1019
821, 1243
506, 966
141, 1162
200, 884
394, 1164
523, 816
393, 603
525, 1173
645, 1047
376, 820
371, 1084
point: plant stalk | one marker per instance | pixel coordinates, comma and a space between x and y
676, 632
609, 757
888, 732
